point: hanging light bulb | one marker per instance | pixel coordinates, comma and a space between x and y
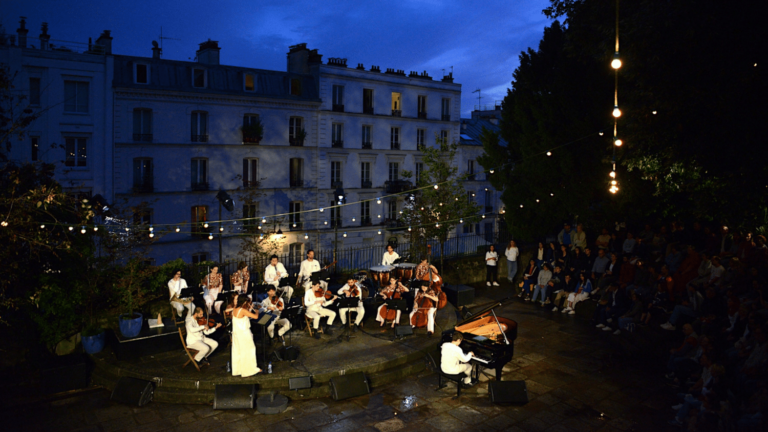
409, 229
151, 235
484, 215
435, 186
612, 174
151, 228
5, 224
82, 230
279, 233
70, 228
549, 153
294, 224
379, 232
353, 219
205, 225
613, 182
401, 212
378, 200
653, 112
491, 171
616, 62
441, 204
617, 142
600, 133
537, 200
95, 229
42, 226
127, 229
261, 236
321, 209
521, 206
221, 229
379, 216
306, 236
345, 233
422, 209
210, 236
457, 198
616, 111
325, 222
551, 194
178, 229
259, 227
461, 221
437, 225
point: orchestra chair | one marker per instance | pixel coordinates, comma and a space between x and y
191, 353
434, 366
308, 320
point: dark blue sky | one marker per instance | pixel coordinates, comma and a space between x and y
480, 39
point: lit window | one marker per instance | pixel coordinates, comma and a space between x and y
75, 152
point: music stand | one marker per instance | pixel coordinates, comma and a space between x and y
396, 305
349, 303
291, 313
263, 321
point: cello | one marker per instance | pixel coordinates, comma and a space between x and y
385, 313
421, 305
435, 282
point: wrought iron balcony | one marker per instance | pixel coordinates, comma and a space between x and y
367, 145
297, 183
397, 113
366, 184
489, 209
200, 138
337, 184
335, 223
446, 117
200, 186
251, 139
142, 137
338, 107
365, 221
397, 186
146, 185
250, 184
423, 115
296, 142
395, 145
470, 177
337, 144
368, 110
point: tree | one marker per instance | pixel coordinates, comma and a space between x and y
434, 213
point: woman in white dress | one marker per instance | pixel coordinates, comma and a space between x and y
243, 348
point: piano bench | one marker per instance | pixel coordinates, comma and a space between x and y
435, 367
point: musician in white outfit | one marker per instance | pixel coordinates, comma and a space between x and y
315, 309
275, 308
175, 286
454, 361
389, 256
347, 291
196, 339
273, 275
309, 266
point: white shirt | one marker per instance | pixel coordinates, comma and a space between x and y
307, 268
314, 303
196, 332
175, 287
491, 255
359, 293
511, 254
452, 358
266, 304
270, 274
540, 255
716, 272
389, 259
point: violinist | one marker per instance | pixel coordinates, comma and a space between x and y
274, 305
424, 308
196, 339
315, 301
394, 290
352, 289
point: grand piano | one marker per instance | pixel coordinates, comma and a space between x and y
489, 337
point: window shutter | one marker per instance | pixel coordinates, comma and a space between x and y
194, 123
194, 171
137, 121
137, 172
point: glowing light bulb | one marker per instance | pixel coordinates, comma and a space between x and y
178, 229
618, 142
345, 233
378, 200
521, 206
205, 225
616, 62
401, 212
151, 228
491, 171
379, 231
42, 226
82, 230
653, 112
261, 236
321, 209
259, 227
616, 112
461, 221
537, 200
441, 204
151, 235
210, 236
127, 229
409, 229
353, 219
613, 182
548, 154
95, 229
457, 198
5, 224
436, 186
551, 194
306, 236
612, 174
70, 228
294, 225
325, 222
378, 216
484, 215
437, 225
600, 133
221, 229
422, 209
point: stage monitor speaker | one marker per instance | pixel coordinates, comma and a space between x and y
234, 396
64, 373
459, 295
514, 392
403, 330
133, 391
300, 383
288, 353
349, 386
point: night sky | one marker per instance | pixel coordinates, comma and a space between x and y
481, 40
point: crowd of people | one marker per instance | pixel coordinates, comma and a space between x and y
707, 287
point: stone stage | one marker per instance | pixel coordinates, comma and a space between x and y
370, 350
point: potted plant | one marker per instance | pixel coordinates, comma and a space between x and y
93, 338
252, 132
131, 294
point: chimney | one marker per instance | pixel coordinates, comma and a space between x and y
22, 32
44, 37
105, 40
298, 59
156, 50
208, 52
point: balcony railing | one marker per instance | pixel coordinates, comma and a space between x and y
367, 145
366, 184
365, 221
142, 137
446, 117
250, 184
422, 115
337, 144
296, 142
297, 183
397, 186
470, 177
199, 138
489, 209
251, 139
335, 223
145, 186
368, 110
200, 186
338, 107
397, 113
395, 145
337, 184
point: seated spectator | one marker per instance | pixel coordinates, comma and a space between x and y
611, 273
688, 269
666, 280
686, 350
713, 392
564, 237
612, 304
629, 244
703, 271
563, 258
659, 243
646, 235
600, 264
542, 283
603, 240
583, 289
614, 246
550, 254
627, 271
553, 285
579, 238
530, 274
631, 317
566, 288
589, 261
716, 272
657, 305
690, 307
642, 249
578, 261
673, 259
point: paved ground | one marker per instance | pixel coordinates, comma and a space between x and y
575, 380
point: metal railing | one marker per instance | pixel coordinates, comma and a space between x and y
199, 138
397, 113
337, 144
142, 137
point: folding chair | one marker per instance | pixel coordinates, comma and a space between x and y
308, 320
190, 352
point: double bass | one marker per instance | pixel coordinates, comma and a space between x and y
435, 283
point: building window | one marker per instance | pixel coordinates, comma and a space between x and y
365, 213
199, 126
199, 217
35, 147
336, 174
394, 171
469, 228
76, 97
470, 170
250, 172
199, 174
446, 110
251, 128
75, 152
470, 197
142, 175
143, 217
392, 210
422, 107
295, 87
394, 138
365, 175
338, 98
142, 125
337, 137
444, 137
34, 91
251, 214
419, 170
297, 172
396, 104
420, 141
294, 131
200, 257
367, 144
488, 203
250, 82
294, 214
368, 101
199, 78
141, 73
335, 215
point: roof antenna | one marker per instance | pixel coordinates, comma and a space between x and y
163, 37
479, 98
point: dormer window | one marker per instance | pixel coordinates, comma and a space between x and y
295, 87
249, 83
140, 73
199, 78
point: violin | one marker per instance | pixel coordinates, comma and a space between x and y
209, 322
275, 302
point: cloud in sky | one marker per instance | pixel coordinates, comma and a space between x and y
481, 40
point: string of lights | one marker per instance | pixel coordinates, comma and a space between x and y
616, 65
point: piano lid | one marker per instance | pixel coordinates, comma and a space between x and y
481, 313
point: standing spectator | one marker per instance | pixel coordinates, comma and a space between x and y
542, 283
629, 244
550, 254
716, 272
725, 241
530, 276
646, 235
563, 258
579, 238
590, 261
564, 238
541, 253
511, 253
603, 240
491, 269
601, 263
583, 289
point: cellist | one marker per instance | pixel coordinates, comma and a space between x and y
394, 290
424, 308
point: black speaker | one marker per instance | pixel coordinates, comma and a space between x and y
403, 330
348, 386
288, 353
234, 396
459, 295
514, 392
64, 373
133, 391
299, 383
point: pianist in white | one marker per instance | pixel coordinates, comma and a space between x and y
454, 361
